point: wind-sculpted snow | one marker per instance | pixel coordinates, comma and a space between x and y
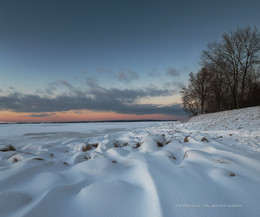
208, 166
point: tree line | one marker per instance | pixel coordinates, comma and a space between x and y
229, 77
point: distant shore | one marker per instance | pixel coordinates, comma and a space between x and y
106, 121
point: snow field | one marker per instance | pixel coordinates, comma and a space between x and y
152, 171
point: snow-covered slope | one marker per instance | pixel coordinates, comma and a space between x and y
239, 119
208, 166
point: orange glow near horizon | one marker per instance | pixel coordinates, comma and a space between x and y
83, 115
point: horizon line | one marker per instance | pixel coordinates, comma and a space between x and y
97, 121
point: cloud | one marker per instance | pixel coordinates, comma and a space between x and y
11, 88
127, 75
91, 83
65, 83
40, 115
50, 89
94, 98
176, 84
172, 71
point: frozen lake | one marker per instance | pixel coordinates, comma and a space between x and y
67, 130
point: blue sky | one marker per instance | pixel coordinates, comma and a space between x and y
127, 45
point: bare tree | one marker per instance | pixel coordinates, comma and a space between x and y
194, 96
230, 76
200, 83
189, 101
235, 57
217, 92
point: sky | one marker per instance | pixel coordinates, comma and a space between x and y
73, 60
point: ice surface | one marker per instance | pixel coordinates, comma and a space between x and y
133, 169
